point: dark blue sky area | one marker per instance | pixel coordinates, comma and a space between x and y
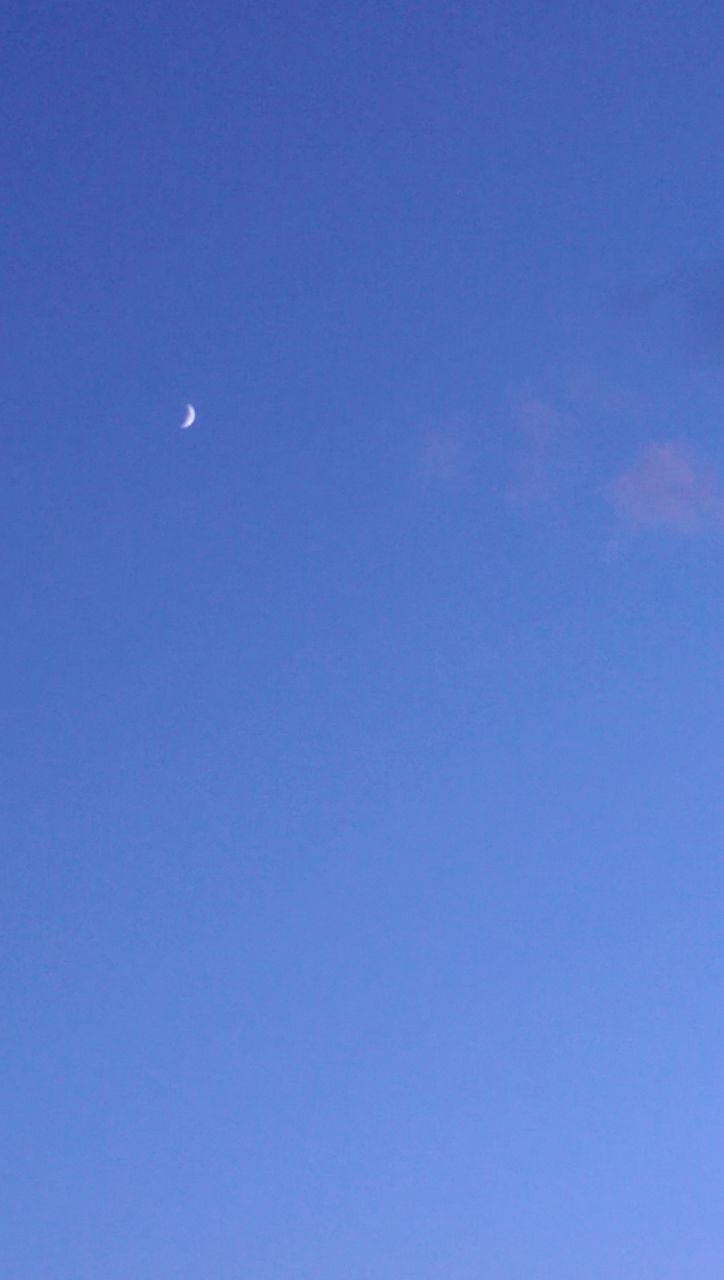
362, 788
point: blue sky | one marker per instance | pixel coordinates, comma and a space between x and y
362, 888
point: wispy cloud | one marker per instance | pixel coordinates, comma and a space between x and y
670, 487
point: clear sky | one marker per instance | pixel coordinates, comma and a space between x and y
362, 787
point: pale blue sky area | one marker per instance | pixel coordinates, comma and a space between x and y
362, 789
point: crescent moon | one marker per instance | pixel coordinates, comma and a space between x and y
190, 418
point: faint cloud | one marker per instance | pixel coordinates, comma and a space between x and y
543, 432
561, 440
670, 487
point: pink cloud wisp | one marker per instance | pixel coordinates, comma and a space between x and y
669, 487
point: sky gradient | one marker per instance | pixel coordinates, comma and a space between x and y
362, 790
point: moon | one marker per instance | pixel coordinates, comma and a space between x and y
190, 418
